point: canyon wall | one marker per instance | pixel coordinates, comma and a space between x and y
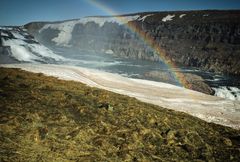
209, 40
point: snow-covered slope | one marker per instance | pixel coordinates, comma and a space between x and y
24, 48
208, 108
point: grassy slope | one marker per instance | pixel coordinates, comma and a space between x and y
46, 119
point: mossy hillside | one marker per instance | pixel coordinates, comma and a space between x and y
46, 119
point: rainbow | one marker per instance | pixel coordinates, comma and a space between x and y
178, 76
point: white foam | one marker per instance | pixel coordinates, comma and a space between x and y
29, 52
232, 93
66, 28
4, 34
18, 35
182, 15
213, 80
45, 52
168, 18
19, 51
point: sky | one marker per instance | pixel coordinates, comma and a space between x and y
20, 12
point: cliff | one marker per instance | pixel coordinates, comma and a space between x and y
209, 40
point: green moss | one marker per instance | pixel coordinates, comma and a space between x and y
46, 119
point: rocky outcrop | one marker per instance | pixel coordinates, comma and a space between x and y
209, 40
192, 81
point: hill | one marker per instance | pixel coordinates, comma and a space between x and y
46, 119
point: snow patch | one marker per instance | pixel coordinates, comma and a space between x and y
168, 18
182, 15
232, 93
144, 17
102, 20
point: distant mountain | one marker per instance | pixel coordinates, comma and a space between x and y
209, 40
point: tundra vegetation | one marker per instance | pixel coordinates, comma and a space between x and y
43, 118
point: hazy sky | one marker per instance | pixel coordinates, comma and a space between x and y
19, 12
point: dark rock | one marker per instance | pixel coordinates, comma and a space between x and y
106, 106
43, 132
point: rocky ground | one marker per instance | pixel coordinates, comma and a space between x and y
46, 119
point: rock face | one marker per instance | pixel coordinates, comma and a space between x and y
209, 40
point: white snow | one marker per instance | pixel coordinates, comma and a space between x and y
182, 15
209, 108
168, 18
205, 15
66, 28
144, 17
232, 93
